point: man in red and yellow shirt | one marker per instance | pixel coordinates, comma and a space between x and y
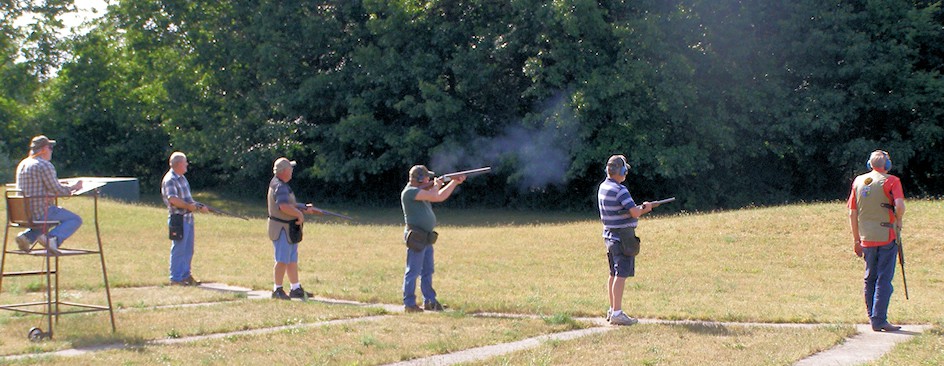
876, 208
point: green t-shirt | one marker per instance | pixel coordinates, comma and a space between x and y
417, 213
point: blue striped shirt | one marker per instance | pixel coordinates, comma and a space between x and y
613, 197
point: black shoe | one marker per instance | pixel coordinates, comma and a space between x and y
299, 293
190, 281
886, 328
412, 309
432, 306
280, 294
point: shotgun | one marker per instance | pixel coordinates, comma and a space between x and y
448, 177
901, 260
221, 212
667, 200
325, 212
335, 214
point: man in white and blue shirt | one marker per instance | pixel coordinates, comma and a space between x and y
175, 190
618, 212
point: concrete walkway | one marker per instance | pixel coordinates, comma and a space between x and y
864, 347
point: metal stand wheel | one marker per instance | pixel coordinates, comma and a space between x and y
36, 335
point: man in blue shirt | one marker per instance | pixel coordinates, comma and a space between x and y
284, 211
619, 214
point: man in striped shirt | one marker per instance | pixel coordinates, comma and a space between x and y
619, 214
36, 177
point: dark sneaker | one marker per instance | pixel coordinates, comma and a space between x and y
23, 242
190, 281
280, 294
299, 293
886, 328
412, 309
432, 306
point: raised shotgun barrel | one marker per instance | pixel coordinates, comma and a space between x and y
448, 177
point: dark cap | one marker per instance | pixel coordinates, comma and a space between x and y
40, 142
615, 162
417, 172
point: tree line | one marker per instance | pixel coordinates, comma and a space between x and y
721, 103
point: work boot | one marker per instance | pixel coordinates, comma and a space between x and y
23, 242
412, 309
886, 328
622, 319
432, 306
299, 293
280, 294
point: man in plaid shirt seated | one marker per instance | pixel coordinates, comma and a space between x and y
36, 177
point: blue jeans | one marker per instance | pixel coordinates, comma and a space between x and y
418, 264
879, 272
68, 224
181, 252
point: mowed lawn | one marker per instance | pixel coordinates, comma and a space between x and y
791, 264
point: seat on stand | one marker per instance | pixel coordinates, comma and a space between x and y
19, 218
18, 208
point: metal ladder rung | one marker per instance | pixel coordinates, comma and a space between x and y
27, 273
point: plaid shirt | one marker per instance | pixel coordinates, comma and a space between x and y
174, 185
36, 177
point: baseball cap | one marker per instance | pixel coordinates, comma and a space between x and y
281, 164
40, 142
417, 172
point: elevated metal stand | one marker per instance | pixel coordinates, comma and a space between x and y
18, 217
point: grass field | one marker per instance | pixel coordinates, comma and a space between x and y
789, 264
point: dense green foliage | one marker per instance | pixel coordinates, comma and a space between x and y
721, 103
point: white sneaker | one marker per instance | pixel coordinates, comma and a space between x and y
23, 242
622, 319
609, 314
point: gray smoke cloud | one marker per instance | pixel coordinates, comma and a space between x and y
537, 150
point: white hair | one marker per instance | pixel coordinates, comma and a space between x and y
176, 157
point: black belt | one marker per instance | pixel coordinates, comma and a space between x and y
282, 221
